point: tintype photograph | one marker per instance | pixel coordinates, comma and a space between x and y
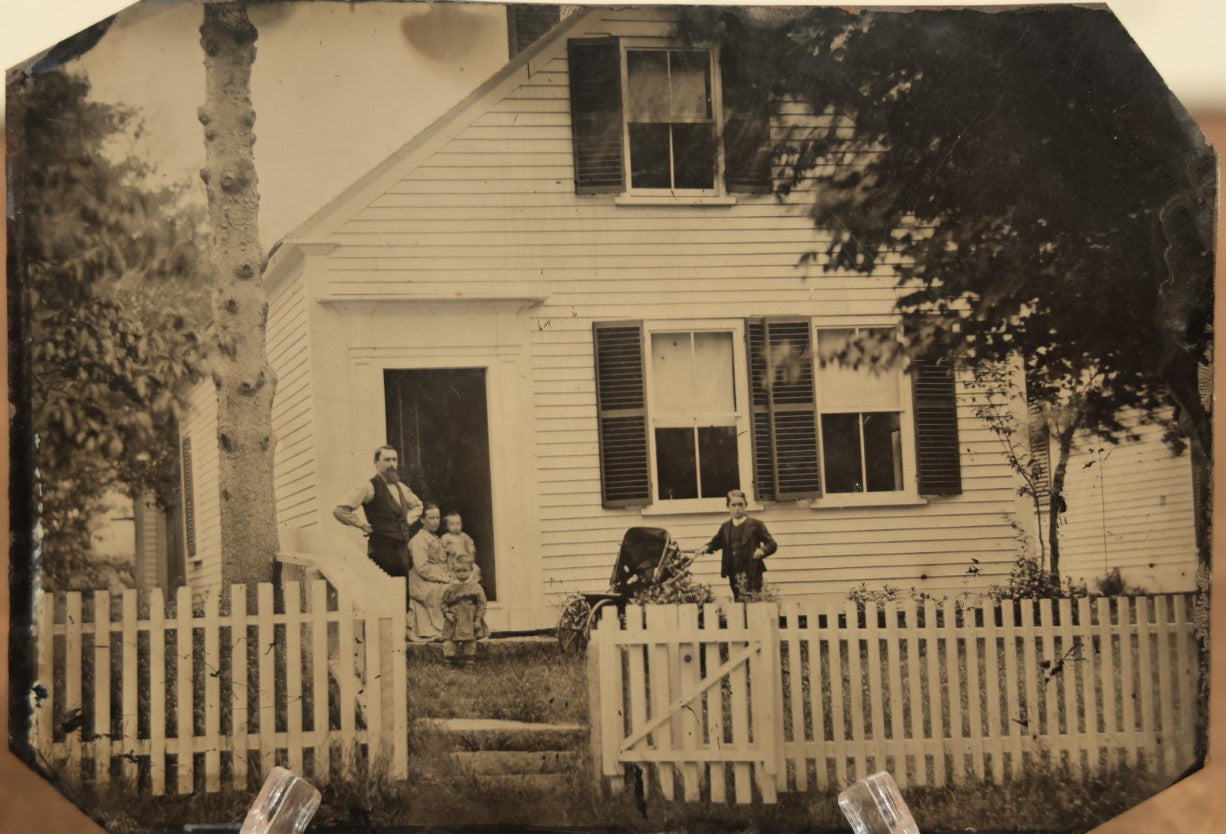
638, 418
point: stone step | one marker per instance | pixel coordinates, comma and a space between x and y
467, 734
495, 647
549, 783
513, 762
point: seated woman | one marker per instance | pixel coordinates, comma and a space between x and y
428, 578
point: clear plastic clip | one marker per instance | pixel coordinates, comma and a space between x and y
875, 806
285, 805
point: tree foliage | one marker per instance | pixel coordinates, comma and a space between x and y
1042, 192
112, 274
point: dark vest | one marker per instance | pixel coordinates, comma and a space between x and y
385, 517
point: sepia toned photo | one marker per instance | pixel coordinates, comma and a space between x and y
644, 417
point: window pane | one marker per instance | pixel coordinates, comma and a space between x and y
713, 374
649, 160
675, 465
861, 384
672, 374
694, 155
883, 452
691, 89
882, 371
717, 452
647, 74
838, 387
841, 450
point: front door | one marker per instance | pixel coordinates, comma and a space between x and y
437, 420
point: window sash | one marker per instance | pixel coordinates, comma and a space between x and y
738, 419
903, 410
715, 120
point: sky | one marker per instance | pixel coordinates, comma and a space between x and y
339, 87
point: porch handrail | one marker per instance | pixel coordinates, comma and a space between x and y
346, 567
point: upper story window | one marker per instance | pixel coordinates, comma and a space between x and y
670, 120
649, 118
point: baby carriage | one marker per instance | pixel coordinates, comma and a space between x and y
648, 557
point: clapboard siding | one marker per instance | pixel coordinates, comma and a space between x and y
1130, 507
297, 486
487, 208
200, 424
822, 551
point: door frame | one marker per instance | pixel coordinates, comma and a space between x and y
511, 531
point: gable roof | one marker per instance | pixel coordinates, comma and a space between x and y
318, 226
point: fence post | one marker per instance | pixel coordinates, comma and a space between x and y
266, 689
291, 596
157, 692
596, 710
319, 676
400, 722
44, 699
212, 690
102, 689
239, 683
766, 699
73, 632
184, 731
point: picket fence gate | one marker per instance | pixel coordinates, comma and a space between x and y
213, 692
718, 702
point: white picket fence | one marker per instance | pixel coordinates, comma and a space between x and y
732, 702
212, 692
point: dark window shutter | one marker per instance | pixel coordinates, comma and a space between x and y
189, 497
760, 418
621, 409
596, 115
747, 139
786, 463
936, 427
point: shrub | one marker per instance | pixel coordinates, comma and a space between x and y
1113, 585
682, 588
1028, 580
768, 593
679, 585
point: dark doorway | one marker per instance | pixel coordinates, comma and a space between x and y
437, 420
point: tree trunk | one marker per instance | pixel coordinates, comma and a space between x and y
245, 382
1056, 503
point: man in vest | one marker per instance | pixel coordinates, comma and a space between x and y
390, 508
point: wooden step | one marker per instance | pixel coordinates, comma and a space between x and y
466, 734
513, 762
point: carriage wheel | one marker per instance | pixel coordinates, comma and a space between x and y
573, 625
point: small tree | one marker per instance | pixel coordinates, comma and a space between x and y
1064, 407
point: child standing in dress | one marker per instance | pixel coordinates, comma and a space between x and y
459, 545
464, 615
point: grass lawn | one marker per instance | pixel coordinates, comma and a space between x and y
536, 683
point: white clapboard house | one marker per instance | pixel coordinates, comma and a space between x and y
556, 302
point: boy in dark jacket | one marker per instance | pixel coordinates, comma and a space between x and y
745, 543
